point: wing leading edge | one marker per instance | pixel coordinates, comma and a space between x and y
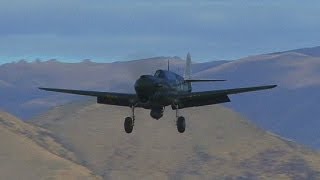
184, 100
214, 97
112, 98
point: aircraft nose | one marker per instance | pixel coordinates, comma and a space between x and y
144, 87
144, 83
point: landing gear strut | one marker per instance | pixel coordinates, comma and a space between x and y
181, 122
129, 122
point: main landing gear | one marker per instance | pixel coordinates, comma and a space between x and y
129, 122
181, 122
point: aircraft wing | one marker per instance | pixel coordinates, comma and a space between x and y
214, 97
111, 98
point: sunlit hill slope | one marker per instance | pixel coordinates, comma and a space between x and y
217, 144
27, 152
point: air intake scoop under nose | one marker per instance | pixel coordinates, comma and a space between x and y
145, 76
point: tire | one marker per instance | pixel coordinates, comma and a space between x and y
181, 124
128, 125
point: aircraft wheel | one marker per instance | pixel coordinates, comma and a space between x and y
181, 124
128, 124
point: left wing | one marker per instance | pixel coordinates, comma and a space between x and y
112, 98
213, 97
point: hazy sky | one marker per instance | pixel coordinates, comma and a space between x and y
105, 30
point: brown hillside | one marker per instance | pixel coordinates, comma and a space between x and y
217, 144
22, 157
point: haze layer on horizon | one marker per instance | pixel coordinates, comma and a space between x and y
106, 31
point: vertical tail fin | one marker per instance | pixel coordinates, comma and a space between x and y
187, 72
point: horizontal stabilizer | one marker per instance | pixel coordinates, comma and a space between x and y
204, 80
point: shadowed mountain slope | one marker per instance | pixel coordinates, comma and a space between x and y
217, 144
291, 109
23, 154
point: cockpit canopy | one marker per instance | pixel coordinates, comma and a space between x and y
160, 74
167, 75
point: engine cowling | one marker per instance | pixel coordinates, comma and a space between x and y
143, 99
156, 113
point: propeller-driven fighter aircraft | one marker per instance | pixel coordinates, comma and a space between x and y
164, 88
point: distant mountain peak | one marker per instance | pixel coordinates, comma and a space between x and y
87, 61
310, 51
22, 61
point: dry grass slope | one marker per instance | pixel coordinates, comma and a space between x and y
21, 157
218, 144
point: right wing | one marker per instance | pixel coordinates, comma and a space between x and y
111, 98
213, 97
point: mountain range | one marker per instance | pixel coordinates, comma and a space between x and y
291, 110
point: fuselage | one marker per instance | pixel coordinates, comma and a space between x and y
155, 91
